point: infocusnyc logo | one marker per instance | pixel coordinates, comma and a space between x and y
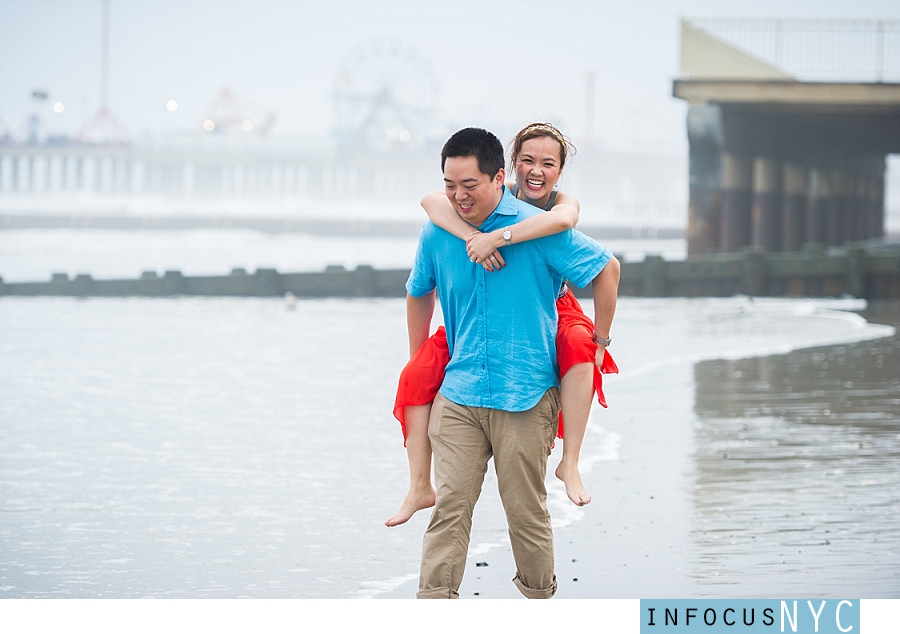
752, 616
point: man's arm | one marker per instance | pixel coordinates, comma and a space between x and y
606, 288
419, 311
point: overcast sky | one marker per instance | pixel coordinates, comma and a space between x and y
498, 64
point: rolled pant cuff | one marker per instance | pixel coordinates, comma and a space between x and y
531, 593
441, 593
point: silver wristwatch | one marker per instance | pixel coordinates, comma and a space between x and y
600, 341
507, 235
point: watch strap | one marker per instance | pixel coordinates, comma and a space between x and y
600, 341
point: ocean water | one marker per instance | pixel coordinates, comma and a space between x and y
231, 447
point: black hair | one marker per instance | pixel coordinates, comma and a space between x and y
481, 144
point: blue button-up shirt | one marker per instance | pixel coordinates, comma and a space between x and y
501, 325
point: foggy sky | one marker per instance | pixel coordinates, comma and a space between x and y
497, 66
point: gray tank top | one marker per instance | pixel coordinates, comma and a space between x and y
550, 202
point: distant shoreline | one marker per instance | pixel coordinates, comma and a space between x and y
283, 224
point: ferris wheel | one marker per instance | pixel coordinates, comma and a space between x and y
385, 96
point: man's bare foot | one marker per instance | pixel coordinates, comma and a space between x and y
416, 500
574, 487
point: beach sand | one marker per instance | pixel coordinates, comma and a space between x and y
771, 476
240, 448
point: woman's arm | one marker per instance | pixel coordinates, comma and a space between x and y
442, 213
561, 217
606, 289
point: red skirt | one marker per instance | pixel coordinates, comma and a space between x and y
575, 344
423, 374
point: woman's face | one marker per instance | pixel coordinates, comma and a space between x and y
538, 169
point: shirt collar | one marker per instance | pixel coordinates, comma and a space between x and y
507, 207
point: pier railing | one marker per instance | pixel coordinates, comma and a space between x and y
814, 272
824, 50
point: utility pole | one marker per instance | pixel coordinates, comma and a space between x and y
589, 105
104, 57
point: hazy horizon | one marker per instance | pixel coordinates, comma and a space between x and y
285, 57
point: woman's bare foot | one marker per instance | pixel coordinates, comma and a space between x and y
574, 488
416, 500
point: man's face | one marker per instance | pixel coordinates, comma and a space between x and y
472, 193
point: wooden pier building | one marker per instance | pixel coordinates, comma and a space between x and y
776, 162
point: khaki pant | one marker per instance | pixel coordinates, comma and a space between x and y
463, 439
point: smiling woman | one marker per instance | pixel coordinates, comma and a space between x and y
538, 155
538, 168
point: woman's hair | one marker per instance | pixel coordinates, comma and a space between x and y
536, 130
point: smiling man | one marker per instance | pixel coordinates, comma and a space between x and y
500, 394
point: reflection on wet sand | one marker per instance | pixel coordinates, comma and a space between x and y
798, 467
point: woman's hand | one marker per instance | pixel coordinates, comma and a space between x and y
599, 357
482, 249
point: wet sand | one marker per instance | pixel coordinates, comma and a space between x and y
189, 449
774, 476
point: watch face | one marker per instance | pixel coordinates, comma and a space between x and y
506, 234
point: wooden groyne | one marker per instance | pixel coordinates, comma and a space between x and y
334, 281
814, 272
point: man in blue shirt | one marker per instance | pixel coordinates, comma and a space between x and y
500, 394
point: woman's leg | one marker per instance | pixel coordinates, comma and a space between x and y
576, 393
420, 381
418, 452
